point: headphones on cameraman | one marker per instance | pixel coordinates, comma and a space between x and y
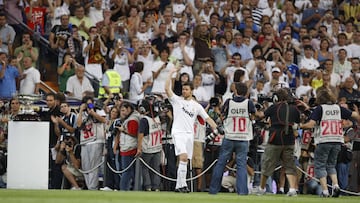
143, 106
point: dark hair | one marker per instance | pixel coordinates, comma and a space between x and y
241, 89
126, 104
165, 49
189, 84
138, 66
283, 94
238, 74
87, 98
214, 14
236, 54
256, 47
51, 94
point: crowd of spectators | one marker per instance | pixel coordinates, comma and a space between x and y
303, 45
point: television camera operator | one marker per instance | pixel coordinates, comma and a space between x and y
69, 157
284, 116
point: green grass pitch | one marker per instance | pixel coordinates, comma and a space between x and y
66, 196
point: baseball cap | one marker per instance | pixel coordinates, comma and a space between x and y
275, 69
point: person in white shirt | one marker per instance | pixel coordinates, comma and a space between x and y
209, 78
229, 69
147, 55
122, 58
143, 33
341, 44
258, 90
78, 83
308, 63
185, 54
30, 81
137, 86
335, 78
186, 110
199, 91
96, 12
355, 46
354, 72
274, 82
161, 69
304, 88
342, 65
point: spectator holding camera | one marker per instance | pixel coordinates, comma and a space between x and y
209, 77
237, 113
65, 71
94, 52
91, 121
185, 54
69, 157
229, 69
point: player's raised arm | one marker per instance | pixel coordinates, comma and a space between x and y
168, 83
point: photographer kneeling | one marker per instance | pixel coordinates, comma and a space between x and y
69, 155
284, 117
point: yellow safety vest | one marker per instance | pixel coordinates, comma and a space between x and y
114, 83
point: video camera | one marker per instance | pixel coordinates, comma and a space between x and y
264, 98
351, 102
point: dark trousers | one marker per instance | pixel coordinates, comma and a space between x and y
170, 168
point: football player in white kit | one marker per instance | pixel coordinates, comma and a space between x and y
185, 111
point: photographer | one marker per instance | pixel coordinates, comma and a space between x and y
66, 123
212, 148
149, 145
237, 114
127, 138
91, 121
69, 157
284, 117
327, 120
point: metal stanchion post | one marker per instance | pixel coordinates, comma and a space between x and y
191, 175
137, 185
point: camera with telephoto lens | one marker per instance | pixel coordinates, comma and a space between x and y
264, 98
214, 101
69, 144
351, 102
116, 125
116, 97
211, 136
